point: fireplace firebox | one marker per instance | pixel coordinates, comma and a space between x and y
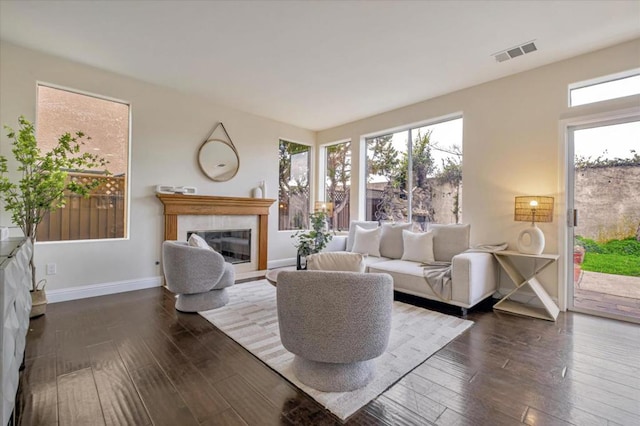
233, 244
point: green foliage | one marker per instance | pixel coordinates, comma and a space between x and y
43, 182
582, 162
626, 247
315, 239
612, 264
619, 257
588, 244
383, 157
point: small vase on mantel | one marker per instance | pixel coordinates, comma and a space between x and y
256, 192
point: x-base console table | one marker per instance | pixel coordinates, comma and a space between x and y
549, 310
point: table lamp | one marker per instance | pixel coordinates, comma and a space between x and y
532, 209
323, 206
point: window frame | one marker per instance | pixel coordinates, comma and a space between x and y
310, 176
599, 81
409, 128
127, 198
322, 169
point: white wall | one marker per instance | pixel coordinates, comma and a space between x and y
167, 129
511, 141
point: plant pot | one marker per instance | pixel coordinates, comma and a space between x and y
578, 257
301, 262
38, 303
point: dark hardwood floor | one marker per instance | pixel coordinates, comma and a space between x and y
131, 359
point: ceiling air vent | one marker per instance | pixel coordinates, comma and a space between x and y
514, 52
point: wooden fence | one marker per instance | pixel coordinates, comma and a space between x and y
101, 215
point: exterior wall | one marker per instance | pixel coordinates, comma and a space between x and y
608, 202
167, 128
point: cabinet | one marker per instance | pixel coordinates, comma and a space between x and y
15, 302
549, 310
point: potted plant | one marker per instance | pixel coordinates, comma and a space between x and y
42, 185
313, 240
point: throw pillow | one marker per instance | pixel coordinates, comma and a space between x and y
418, 246
449, 240
197, 241
391, 239
368, 224
336, 261
367, 241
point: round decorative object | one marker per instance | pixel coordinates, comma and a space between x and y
257, 192
531, 240
218, 160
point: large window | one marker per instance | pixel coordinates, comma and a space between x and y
416, 174
337, 183
604, 88
104, 213
294, 189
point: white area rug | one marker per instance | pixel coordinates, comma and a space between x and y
251, 319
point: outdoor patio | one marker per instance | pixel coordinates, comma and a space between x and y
614, 294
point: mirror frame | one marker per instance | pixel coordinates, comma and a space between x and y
230, 146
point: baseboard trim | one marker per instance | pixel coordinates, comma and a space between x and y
281, 263
102, 289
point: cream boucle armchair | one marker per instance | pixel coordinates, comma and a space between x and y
198, 276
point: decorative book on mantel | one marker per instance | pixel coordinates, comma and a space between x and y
168, 189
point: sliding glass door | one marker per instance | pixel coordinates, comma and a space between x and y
604, 218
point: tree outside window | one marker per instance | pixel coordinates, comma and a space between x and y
432, 162
294, 189
338, 183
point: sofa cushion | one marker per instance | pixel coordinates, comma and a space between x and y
391, 239
197, 241
367, 241
336, 261
449, 240
418, 246
365, 224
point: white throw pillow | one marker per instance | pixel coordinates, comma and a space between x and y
197, 241
418, 246
336, 261
391, 239
364, 224
367, 241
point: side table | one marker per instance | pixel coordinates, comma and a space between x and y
272, 274
550, 310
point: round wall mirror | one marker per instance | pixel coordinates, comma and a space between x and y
218, 160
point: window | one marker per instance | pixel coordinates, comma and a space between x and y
293, 191
337, 181
604, 88
427, 157
106, 122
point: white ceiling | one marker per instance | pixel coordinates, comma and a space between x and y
316, 64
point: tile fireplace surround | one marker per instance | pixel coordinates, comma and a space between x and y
208, 205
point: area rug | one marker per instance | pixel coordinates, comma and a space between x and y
251, 319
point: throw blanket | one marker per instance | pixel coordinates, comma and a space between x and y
438, 274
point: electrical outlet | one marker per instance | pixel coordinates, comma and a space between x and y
51, 269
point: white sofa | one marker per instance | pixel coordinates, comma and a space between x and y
474, 275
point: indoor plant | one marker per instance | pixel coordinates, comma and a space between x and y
43, 183
312, 240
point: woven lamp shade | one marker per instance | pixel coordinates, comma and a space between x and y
524, 211
323, 206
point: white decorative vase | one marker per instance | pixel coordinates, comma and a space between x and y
531, 240
257, 192
263, 184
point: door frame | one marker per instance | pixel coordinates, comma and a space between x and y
566, 194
